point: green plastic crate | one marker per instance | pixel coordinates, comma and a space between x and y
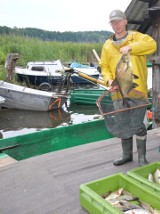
141, 175
91, 200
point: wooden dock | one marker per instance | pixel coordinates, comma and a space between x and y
49, 184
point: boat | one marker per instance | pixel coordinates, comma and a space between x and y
2, 100
85, 96
37, 73
24, 98
41, 142
84, 69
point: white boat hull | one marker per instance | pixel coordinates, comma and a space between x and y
19, 97
39, 72
2, 100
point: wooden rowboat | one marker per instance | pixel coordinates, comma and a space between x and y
37, 143
85, 96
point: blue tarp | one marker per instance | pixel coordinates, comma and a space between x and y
78, 65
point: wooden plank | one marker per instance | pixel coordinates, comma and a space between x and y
50, 183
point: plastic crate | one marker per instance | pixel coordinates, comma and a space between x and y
141, 175
92, 201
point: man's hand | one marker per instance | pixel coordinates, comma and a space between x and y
113, 86
125, 50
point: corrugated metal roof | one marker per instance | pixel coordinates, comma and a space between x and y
138, 16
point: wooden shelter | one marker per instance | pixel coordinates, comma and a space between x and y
144, 16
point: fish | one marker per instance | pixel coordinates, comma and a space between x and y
142, 211
150, 177
114, 195
128, 203
124, 78
148, 207
124, 204
156, 176
138, 211
121, 200
128, 197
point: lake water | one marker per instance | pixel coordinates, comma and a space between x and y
18, 122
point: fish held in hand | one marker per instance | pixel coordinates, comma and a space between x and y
124, 78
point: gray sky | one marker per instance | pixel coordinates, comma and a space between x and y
59, 15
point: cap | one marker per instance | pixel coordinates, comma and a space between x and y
116, 15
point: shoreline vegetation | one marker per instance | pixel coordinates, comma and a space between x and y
34, 49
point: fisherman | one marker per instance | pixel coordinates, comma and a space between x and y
137, 45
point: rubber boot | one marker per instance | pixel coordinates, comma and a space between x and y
127, 155
141, 148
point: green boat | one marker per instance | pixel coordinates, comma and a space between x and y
37, 143
85, 96
90, 96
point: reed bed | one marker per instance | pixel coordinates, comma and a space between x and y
33, 49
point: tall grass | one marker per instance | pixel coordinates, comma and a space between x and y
33, 49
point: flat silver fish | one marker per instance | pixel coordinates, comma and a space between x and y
138, 211
150, 177
124, 77
114, 195
157, 176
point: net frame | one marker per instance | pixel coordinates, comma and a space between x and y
126, 121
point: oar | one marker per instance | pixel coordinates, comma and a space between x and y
9, 147
84, 76
96, 55
91, 79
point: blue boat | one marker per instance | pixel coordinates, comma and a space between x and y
37, 73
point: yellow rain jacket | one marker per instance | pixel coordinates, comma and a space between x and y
141, 45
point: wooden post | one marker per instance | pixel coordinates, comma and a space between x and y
10, 64
155, 15
96, 55
156, 92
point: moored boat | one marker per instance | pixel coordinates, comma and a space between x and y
84, 69
85, 96
37, 73
20, 97
37, 143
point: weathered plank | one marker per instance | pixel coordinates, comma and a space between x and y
49, 184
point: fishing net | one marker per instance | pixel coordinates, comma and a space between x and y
123, 120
